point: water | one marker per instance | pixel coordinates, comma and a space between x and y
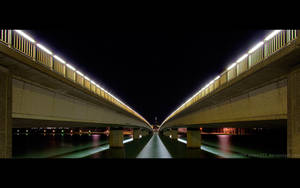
89, 146
244, 146
56, 145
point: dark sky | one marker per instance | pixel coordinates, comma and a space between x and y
155, 71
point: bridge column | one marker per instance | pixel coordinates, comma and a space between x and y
167, 133
144, 132
293, 127
116, 138
193, 138
174, 134
5, 113
136, 134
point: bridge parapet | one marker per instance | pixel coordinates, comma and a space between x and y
27, 46
272, 44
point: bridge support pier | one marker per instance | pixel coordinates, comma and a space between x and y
116, 138
293, 127
136, 134
5, 113
167, 133
174, 134
193, 138
144, 132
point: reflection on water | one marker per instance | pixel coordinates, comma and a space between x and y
56, 145
224, 143
244, 146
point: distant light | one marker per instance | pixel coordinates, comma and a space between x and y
231, 66
256, 47
242, 58
59, 59
271, 35
25, 36
44, 48
79, 73
71, 67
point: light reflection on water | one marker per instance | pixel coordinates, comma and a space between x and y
224, 143
237, 146
59, 145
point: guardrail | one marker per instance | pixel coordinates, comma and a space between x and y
262, 50
26, 45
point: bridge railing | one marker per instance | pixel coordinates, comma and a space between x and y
24, 44
277, 40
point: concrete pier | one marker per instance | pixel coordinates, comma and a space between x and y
144, 133
116, 138
5, 113
293, 127
174, 134
193, 138
136, 133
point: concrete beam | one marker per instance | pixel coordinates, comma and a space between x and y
144, 133
193, 138
136, 134
174, 134
5, 113
293, 128
267, 103
116, 138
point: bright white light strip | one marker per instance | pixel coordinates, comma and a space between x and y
59, 59
25, 36
128, 140
216, 78
275, 32
256, 47
71, 67
79, 73
44, 48
242, 58
181, 140
87, 78
231, 66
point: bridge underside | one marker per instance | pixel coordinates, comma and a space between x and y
34, 105
262, 107
41, 95
29, 123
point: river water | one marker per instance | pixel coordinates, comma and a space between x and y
76, 146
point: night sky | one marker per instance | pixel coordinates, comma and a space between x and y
151, 71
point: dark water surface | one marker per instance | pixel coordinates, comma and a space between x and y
96, 146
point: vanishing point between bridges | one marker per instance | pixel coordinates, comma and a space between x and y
51, 109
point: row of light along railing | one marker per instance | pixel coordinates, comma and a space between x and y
22, 42
262, 50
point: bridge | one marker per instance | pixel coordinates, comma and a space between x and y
41, 89
260, 89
